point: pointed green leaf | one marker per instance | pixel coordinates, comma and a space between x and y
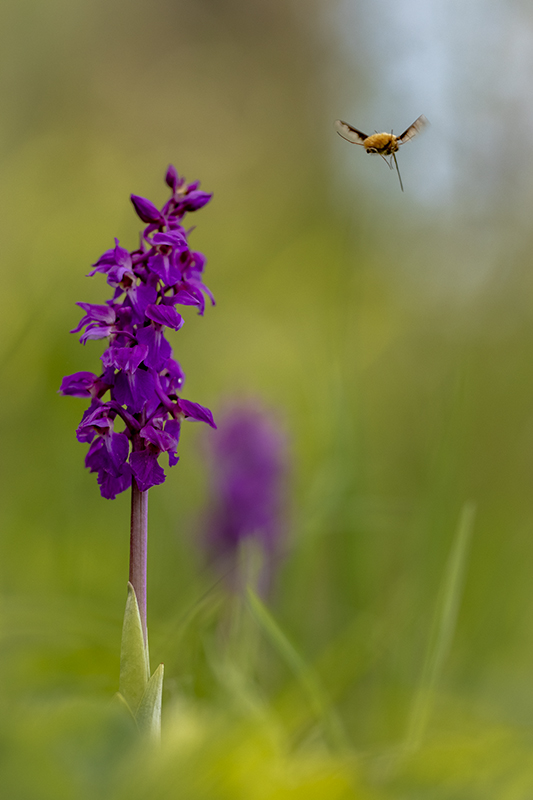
134, 663
148, 714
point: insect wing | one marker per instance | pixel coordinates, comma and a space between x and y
417, 126
349, 133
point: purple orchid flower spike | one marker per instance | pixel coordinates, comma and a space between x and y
140, 376
149, 283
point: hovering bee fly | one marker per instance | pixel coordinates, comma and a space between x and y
382, 144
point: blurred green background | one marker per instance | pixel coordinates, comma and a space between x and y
393, 333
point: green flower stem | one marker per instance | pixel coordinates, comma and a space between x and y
138, 549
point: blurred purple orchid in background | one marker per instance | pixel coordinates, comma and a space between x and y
142, 378
248, 486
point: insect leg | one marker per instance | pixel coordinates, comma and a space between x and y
398, 171
385, 160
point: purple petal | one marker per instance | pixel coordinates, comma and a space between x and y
159, 264
98, 313
199, 260
111, 485
175, 240
95, 420
96, 332
173, 427
142, 296
116, 274
161, 439
79, 384
95, 313
122, 256
184, 298
118, 448
196, 411
196, 200
192, 290
165, 315
125, 358
145, 209
134, 389
146, 470
158, 347
104, 262
96, 458
176, 374
207, 291
108, 454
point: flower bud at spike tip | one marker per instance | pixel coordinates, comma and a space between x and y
171, 178
145, 209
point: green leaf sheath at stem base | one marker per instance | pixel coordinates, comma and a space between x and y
134, 656
140, 692
148, 716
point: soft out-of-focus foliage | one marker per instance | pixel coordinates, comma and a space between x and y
396, 331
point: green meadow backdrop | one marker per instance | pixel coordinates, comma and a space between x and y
391, 334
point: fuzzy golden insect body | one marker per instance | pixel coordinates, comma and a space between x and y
382, 144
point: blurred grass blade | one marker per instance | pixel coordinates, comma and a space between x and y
134, 658
148, 714
305, 675
443, 627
